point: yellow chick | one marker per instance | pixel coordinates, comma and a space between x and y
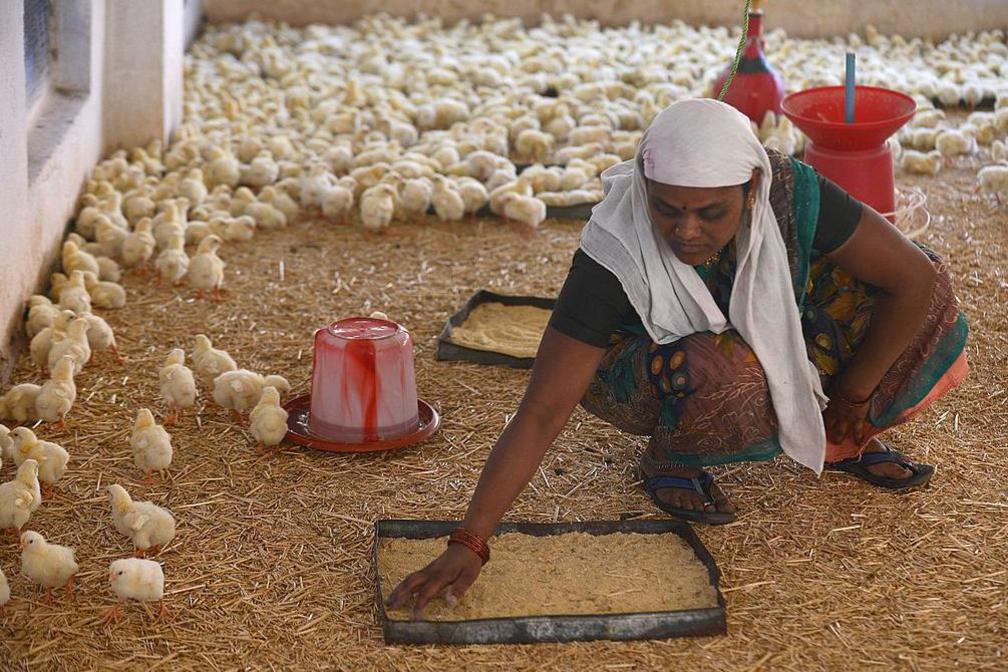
177, 385
920, 163
240, 201
266, 216
74, 295
223, 168
20, 497
473, 194
86, 222
76, 259
336, 201
196, 233
41, 344
4, 589
57, 395
172, 263
193, 187
138, 246
151, 444
260, 172
171, 222
377, 207
952, 142
18, 403
994, 179
233, 229
41, 314
268, 420
110, 237
136, 579
138, 206
52, 458
280, 200
49, 565
109, 269
528, 210
148, 526
415, 198
74, 344
447, 201
533, 144
520, 186
209, 361
240, 390
104, 294
100, 336
6, 444
206, 270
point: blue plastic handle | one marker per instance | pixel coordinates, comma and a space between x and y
849, 89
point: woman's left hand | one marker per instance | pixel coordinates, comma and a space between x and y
845, 419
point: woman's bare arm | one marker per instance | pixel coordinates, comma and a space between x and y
562, 371
879, 255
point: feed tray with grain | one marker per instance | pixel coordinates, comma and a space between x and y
564, 574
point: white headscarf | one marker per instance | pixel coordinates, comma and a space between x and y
706, 143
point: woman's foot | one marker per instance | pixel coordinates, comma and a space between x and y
687, 499
885, 469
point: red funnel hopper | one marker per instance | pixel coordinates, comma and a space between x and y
819, 113
855, 155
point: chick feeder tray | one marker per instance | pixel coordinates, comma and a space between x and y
363, 391
559, 627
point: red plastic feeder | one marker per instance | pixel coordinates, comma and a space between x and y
757, 88
854, 155
363, 390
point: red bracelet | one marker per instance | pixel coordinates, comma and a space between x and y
473, 542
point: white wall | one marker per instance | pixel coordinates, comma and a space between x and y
99, 99
801, 18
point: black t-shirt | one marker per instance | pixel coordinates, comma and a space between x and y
592, 304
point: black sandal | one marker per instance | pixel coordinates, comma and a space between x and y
920, 473
701, 484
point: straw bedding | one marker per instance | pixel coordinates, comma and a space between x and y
271, 565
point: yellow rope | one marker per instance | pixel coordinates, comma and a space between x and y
738, 51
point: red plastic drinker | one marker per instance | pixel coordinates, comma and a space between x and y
757, 88
363, 387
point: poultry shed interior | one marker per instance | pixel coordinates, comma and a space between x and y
197, 189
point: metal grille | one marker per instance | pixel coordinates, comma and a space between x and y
37, 18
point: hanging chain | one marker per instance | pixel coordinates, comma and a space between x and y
738, 51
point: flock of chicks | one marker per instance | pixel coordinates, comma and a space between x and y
380, 121
63, 342
929, 142
386, 119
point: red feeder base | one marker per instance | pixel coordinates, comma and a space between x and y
298, 432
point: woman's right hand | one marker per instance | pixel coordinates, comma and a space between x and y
450, 574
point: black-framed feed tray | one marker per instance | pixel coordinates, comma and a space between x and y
560, 627
448, 350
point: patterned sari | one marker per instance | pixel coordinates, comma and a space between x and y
704, 400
